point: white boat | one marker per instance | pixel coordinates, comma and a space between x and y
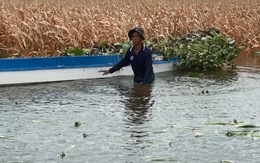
53, 69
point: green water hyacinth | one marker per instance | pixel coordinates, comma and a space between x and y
207, 53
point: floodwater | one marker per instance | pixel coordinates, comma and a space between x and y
177, 119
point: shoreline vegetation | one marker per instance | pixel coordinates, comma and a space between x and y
44, 28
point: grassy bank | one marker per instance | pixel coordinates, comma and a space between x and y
30, 28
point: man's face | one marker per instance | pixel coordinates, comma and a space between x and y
136, 38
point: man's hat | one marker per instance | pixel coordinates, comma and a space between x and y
139, 30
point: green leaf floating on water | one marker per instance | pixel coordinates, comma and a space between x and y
217, 123
158, 159
235, 122
198, 134
252, 133
160, 131
161, 159
246, 126
236, 133
7, 137
226, 161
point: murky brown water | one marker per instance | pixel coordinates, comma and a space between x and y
248, 60
127, 122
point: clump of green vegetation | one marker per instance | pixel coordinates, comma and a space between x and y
248, 129
251, 133
207, 53
203, 50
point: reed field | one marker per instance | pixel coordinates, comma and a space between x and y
30, 28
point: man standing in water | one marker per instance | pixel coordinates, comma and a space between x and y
139, 56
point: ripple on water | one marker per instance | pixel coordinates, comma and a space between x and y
126, 122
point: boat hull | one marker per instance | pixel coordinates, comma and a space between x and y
40, 70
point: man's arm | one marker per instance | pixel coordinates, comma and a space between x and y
124, 62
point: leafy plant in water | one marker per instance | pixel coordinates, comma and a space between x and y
250, 133
206, 50
234, 122
208, 53
248, 129
62, 155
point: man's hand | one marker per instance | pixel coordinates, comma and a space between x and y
105, 72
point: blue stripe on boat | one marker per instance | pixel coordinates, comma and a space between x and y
26, 64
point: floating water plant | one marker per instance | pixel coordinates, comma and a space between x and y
226, 161
62, 155
208, 50
7, 137
85, 135
77, 124
236, 133
234, 122
248, 129
245, 125
198, 134
250, 133
160, 159
205, 91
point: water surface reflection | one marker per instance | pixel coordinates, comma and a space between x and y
127, 122
138, 104
137, 114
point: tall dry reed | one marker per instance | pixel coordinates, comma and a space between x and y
30, 28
